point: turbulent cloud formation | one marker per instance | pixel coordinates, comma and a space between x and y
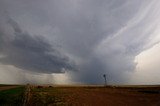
31, 53
88, 36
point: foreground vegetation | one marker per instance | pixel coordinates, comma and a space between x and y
12, 97
44, 96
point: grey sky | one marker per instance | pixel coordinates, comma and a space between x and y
84, 38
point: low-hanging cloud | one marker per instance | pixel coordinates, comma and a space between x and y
32, 53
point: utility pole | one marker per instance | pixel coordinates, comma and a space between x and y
105, 80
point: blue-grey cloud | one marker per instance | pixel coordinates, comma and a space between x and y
32, 53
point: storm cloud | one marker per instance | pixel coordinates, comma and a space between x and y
84, 38
31, 53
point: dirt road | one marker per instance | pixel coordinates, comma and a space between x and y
110, 97
6, 87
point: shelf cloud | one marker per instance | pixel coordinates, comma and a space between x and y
31, 53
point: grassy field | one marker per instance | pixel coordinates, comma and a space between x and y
46, 96
80, 96
12, 96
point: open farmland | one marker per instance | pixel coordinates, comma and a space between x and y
94, 96
51, 95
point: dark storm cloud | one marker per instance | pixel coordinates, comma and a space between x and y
32, 53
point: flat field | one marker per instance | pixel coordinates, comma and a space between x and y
93, 96
51, 95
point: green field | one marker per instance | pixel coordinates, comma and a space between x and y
12, 97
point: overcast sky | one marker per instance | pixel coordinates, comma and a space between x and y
77, 41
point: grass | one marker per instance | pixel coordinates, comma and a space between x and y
47, 96
3, 85
12, 97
